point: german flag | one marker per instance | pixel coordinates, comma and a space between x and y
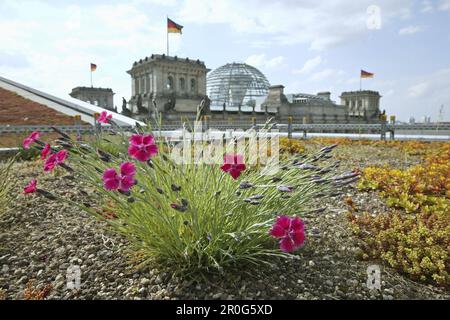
93, 67
173, 27
365, 74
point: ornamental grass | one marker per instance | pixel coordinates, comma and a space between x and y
193, 217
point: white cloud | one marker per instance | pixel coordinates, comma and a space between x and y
73, 17
409, 30
325, 73
427, 6
321, 25
167, 3
419, 90
256, 60
423, 95
10, 60
432, 85
352, 81
261, 61
309, 65
49, 46
444, 5
275, 62
404, 13
121, 17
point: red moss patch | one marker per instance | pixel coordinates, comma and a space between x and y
17, 110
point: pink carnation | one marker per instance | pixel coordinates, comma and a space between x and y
30, 187
54, 160
104, 117
123, 181
234, 164
290, 231
142, 147
45, 152
30, 139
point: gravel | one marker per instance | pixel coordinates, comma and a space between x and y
40, 239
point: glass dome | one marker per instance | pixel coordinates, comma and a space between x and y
236, 84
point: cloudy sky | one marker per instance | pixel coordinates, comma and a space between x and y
306, 45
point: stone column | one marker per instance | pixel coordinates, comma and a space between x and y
150, 78
136, 85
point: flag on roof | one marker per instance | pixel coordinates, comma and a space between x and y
365, 74
173, 27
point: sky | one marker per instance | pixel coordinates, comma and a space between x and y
306, 45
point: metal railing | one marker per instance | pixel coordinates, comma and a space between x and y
379, 128
44, 128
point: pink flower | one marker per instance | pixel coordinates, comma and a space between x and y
104, 117
234, 164
123, 181
291, 231
30, 139
55, 159
45, 152
30, 187
142, 147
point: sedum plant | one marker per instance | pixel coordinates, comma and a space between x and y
196, 217
291, 146
415, 238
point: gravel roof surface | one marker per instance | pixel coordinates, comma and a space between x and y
40, 239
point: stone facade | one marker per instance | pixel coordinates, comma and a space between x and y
365, 103
305, 107
97, 96
174, 86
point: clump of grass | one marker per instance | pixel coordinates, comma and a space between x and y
193, 217
111, 144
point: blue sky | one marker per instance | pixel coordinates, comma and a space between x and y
308, 46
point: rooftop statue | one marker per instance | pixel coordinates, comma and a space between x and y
140, 106
125, 111
203, 108
170, 104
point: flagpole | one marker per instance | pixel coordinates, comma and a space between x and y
167, 33
360, 81
91, 78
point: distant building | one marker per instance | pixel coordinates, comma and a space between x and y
100, 97
305, 107
426, 119
362, 104
236, 86
178, 88
175, 86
